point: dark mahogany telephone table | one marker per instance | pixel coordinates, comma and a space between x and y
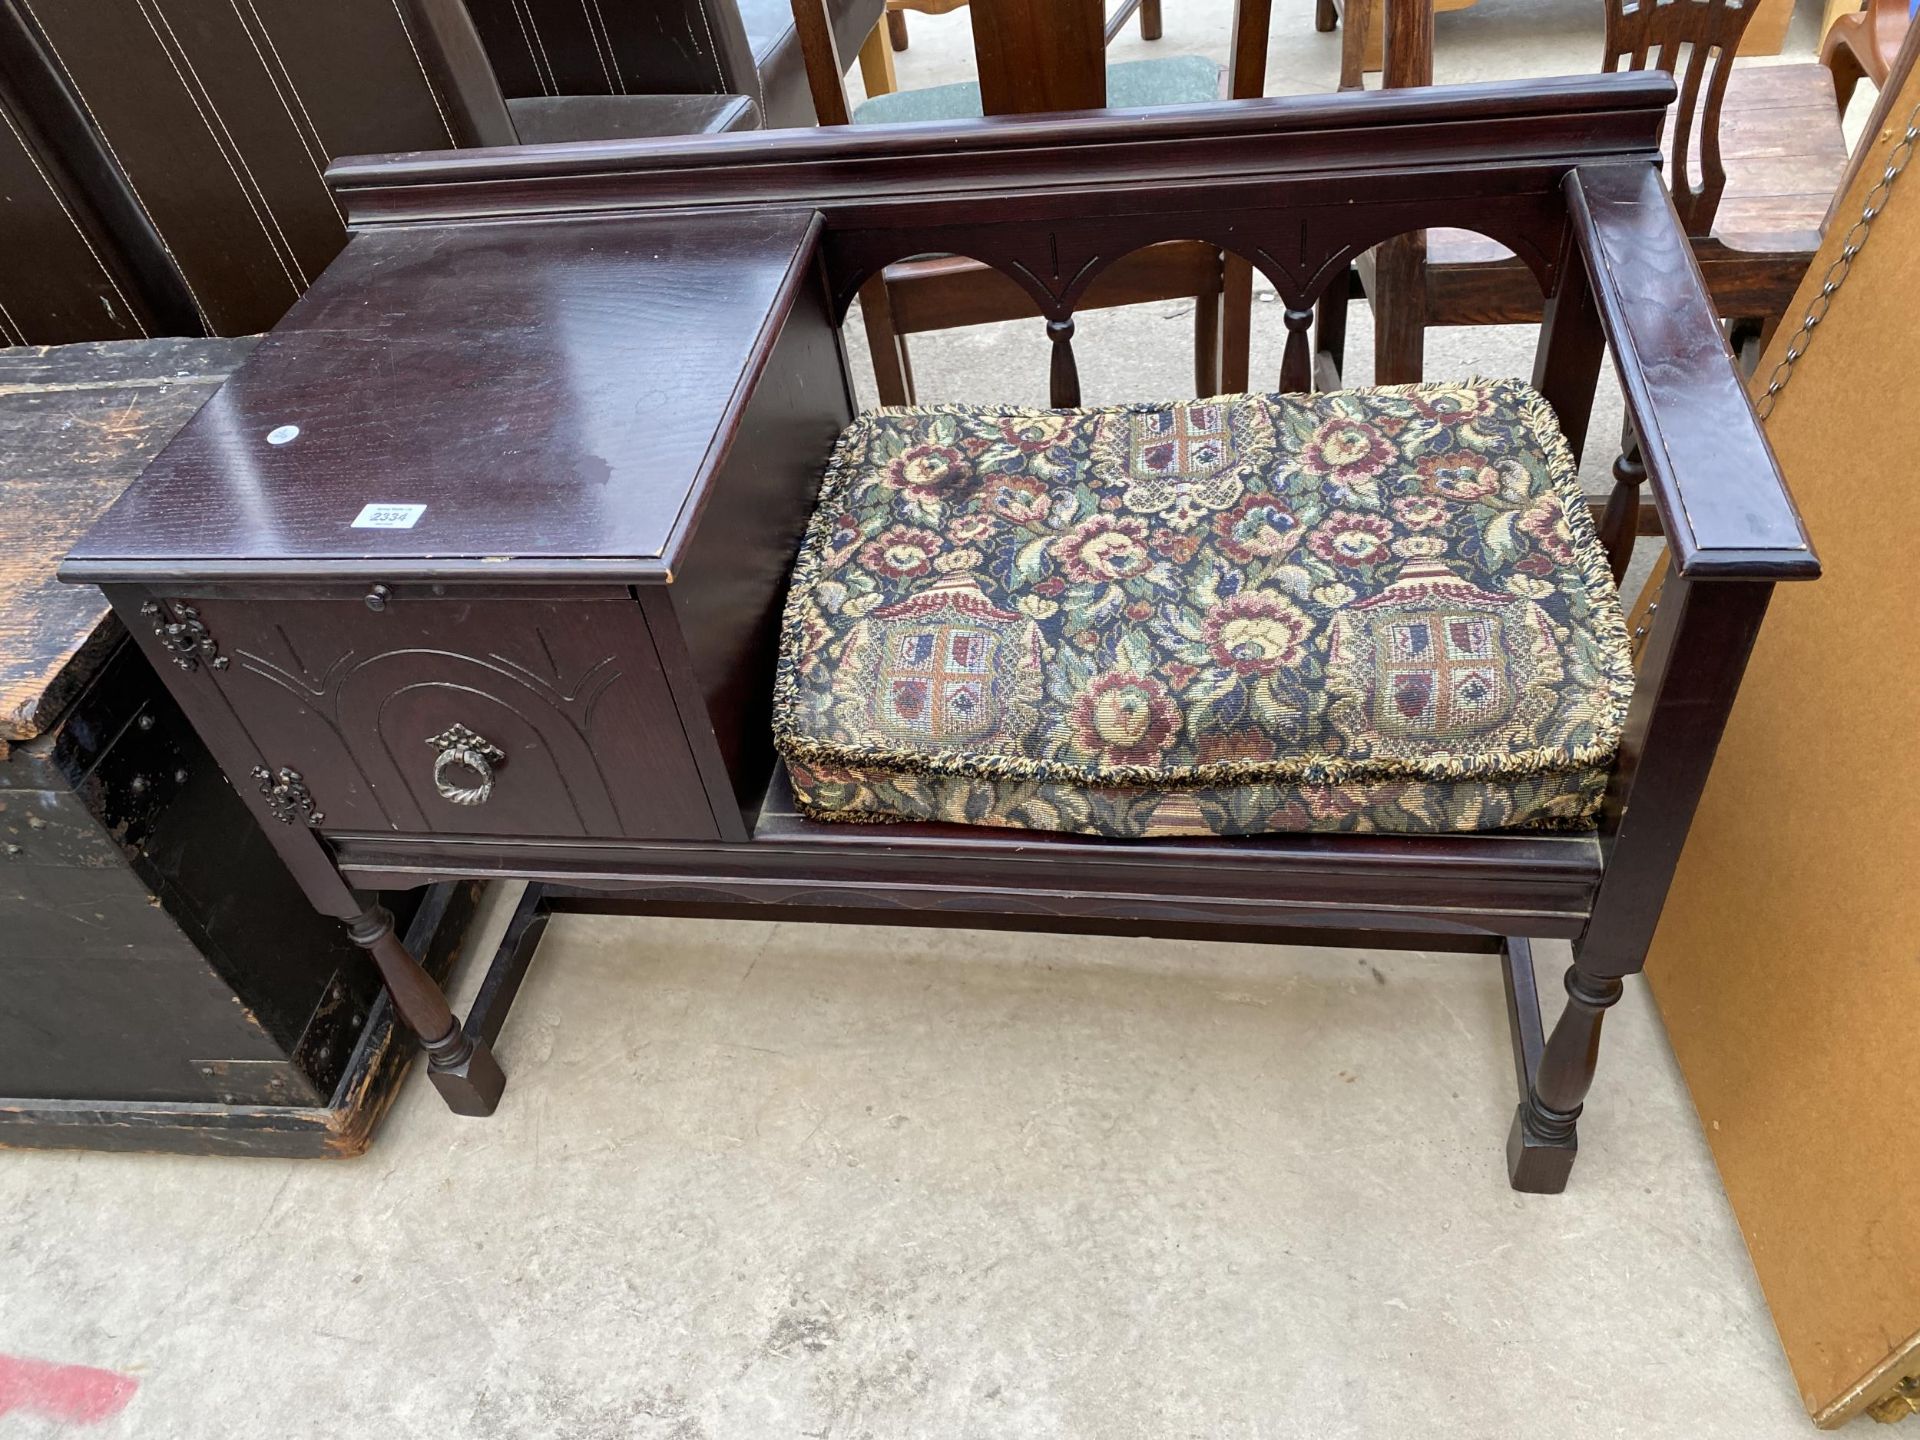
475, 567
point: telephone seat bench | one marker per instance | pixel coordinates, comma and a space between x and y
479, 566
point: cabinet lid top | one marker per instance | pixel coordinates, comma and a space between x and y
516, 400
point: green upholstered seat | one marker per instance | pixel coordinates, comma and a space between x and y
1134, 84
1369, 610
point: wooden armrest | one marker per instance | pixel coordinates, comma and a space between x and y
1721, 498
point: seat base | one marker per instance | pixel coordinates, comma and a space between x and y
1554, 802
1452, 892
1537, 1162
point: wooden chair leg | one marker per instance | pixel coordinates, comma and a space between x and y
1523, 1010
892, 371
461, 1068
1748, 336
1399, 310
1206, 344
1150, 19
1325, 16
897, 29
1841, 61
876, 64
1236, 325
1544, 1139
1353, 44
511, 961
1330, 333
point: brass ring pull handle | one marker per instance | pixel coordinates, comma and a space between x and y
459, 746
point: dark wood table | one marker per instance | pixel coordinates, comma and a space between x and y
475, 568
162, 983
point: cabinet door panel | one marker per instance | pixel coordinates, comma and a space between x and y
561, 698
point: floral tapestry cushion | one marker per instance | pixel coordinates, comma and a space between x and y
1366, 610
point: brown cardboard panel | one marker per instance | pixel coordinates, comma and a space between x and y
1787, 964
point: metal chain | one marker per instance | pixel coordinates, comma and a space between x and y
1836, 275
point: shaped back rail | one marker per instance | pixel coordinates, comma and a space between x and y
1273, 183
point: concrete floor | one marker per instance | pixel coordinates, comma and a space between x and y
759, 1180
756, 1180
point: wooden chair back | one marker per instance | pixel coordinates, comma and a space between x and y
641, 47
1905, 60
1039, 57
77, 259
1694, 41
199, 143
1117, 18
1032, 57
1864, 45
476, 109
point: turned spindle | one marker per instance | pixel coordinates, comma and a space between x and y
1620, 522
1064, 378
1296, 363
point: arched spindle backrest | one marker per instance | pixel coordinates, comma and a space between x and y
1694, 41
1059, 251
1295, 189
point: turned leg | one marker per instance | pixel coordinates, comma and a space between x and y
1543, 1142
1325, 16
1150, 19
462, 1069
897, 29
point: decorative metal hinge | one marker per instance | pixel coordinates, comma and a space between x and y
287, 795
185, 635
